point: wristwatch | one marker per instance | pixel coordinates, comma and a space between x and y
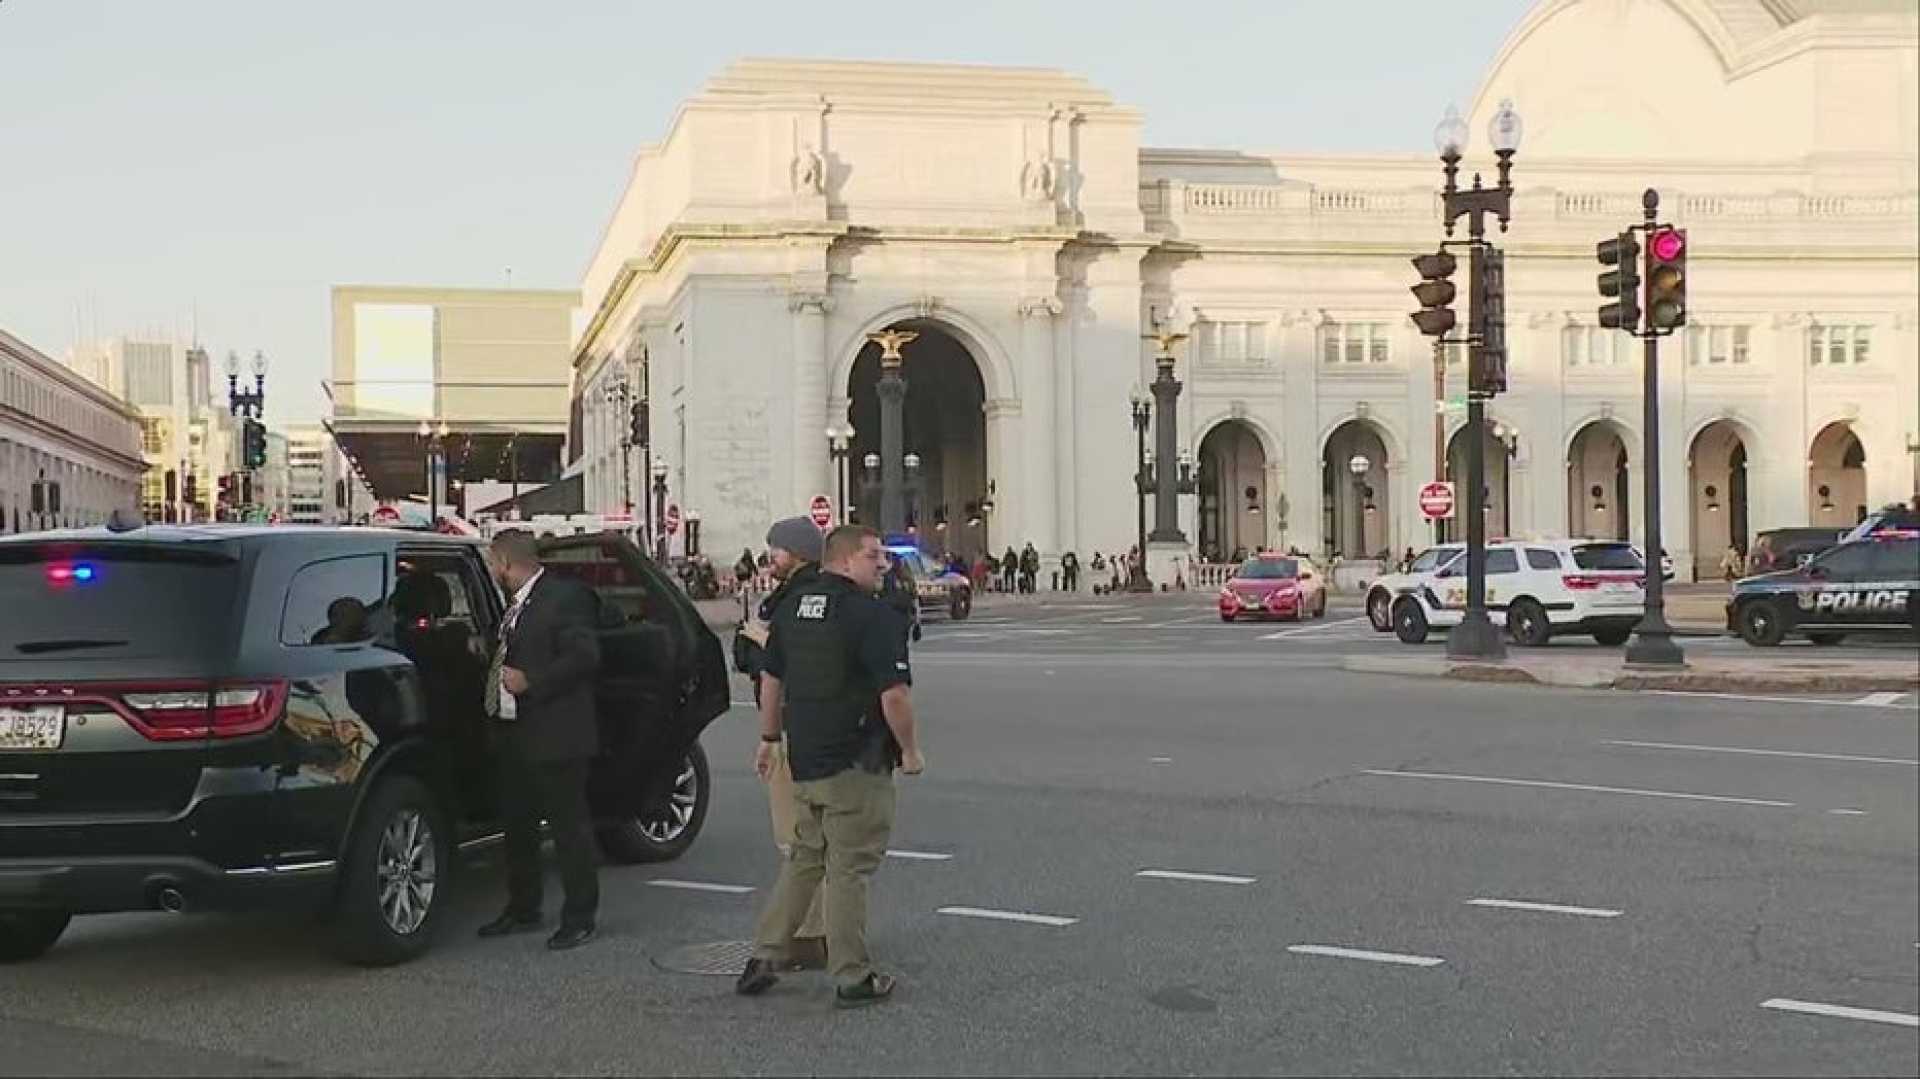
772, 739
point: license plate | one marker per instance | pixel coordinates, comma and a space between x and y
33, 727
1619, 586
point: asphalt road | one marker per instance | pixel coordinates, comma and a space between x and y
1332, 860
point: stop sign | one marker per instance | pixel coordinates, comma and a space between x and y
673, 519
1436, 500
821, 510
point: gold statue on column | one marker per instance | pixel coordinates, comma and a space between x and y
890, 340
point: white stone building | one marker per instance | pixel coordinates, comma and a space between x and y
1013, 219
57, 428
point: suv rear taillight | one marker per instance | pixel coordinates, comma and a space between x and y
173, 712
1587, 582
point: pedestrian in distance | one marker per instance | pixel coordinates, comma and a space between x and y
837, 688
539, 695
1010, 570
1070, 571
794, 547
1030, 570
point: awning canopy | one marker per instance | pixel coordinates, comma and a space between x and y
391, 457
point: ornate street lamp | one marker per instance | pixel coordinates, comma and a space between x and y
1358, 465
1142, 415
660, 509
839, 445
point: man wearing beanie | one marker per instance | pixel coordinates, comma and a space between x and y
794, 546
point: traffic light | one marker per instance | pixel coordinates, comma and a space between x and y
253, 444
637, 424
173, 486
1435, 293
1620, 284
226, 488
1666, 278
1491, 313
192, 488
246, 489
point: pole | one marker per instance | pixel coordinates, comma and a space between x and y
1653, 644
626, 479
1166, 432
1137, 580
1439, 428
1475, 637
893, 396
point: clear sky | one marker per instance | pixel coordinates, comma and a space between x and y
224, 162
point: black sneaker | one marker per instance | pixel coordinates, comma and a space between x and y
757, 978
872, 989
510, 922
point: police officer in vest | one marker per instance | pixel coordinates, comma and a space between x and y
837, 686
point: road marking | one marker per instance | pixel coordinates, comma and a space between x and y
745, 704
1848, 812
1841, 1011
1766, 752
1583, 787
1203, 878
1371, 957
920, 855
1159, 760
1122, 618
1008, 916
700, 886
1880, 700
1304, 630
1545, 908
1802, 701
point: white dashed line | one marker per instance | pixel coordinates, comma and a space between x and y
1362, 954
1499, 780
1304, 630
1767, 752
1880, 700
1053, 920
1121, 619
920, 855
1159, 760
1544, 908
1800, 701
1848, 812
1203, 878
1841, 1011
701, 886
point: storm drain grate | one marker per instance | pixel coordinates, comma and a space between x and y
727, 957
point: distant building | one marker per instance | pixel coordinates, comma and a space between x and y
309, 495
188, 439
70, 452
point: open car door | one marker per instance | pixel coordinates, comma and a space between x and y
662, 679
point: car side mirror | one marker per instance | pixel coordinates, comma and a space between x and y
1306, 575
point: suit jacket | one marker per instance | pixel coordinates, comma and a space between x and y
556, 644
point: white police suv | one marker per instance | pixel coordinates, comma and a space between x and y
1538, 589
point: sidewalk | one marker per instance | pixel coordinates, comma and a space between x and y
1713, 674
1698, 609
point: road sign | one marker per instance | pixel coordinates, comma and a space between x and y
821, 510
673, 519
1436, 500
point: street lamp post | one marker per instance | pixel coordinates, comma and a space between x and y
910, 491
249, 406
869, 485
1476, 637
1169, 484
1137, 580
660, 509
1357, 466
839, 445
893, 395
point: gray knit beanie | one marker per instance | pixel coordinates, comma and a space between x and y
798, 535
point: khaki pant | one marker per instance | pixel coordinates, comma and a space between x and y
841, 836
786, 818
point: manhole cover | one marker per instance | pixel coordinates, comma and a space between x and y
727, 957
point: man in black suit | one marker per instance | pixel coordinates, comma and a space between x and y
540, 695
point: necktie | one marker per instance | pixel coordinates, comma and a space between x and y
494, 691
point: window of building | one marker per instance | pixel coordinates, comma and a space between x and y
1838, 345
1719, 345
1356, 343
1231, 342
1595, 347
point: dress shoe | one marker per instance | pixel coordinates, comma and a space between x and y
872, 989
757, 978
570, 936
510, 923
807, 953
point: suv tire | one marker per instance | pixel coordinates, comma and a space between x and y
667, 834
1527, 623
1761, 624
1612, 636
394, 876
1409, 622
1380, 610
961, 605
27, 934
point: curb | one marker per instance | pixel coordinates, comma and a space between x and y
1688, 681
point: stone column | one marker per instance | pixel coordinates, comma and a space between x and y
1007, 526
1039, 492
1065, 444
810, 473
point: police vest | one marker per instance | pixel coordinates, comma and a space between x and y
819, 667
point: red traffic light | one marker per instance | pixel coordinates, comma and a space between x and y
1667, 244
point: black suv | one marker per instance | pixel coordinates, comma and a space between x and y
223, 718
1867, 586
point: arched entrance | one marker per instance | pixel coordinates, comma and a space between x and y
1836, 477
1597, 485
1356, 508
1233, 492
944, 424
1717, 471
1499, 450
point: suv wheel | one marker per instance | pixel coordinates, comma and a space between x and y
1527, 621
961, 605
1379, 610
392, 886
1409, 622
27, 934
664, 833
1761, 624
1612, 636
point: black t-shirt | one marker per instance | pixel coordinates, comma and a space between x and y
824, 739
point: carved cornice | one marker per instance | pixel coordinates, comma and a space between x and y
1001, 407
1039, 306
810, 302
1790, 320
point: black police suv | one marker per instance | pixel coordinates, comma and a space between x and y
223, 717
1867, 586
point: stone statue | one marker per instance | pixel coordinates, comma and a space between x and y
809, 172
1036, 179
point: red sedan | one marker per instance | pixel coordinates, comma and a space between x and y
1273, 586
